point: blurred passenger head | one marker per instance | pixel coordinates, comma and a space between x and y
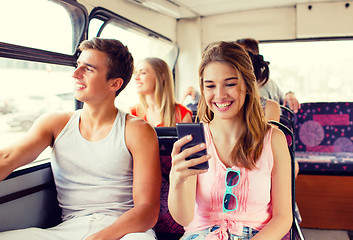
249, 44
261, 68
163, 91
163, 78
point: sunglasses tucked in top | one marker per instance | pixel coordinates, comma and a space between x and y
230, 201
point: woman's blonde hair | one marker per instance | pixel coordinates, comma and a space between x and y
249, 146
163, 92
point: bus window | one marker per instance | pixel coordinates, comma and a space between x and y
94, 27
141, 44
317, 71
28, 90
36, 62
49, 29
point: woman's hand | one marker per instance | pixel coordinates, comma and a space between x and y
182, 191
180, 170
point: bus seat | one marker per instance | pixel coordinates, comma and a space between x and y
324, 151
166, 228
295, 232
287, 117
324, 138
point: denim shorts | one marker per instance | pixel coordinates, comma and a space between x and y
248, 233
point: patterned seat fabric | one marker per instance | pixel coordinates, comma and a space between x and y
324, 138
166, 227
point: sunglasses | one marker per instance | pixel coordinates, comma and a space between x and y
230, 201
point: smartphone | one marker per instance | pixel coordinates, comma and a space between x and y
198, 137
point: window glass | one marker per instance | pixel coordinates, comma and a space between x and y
141, 45
317, 71
94, 26
28, 90
40, 24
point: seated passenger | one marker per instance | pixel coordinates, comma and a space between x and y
190, 98
246, 192
271, 108
270, 89
155, 86
105, 162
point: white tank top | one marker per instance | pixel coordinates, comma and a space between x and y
92, 177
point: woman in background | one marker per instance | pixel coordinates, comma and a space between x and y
154, 81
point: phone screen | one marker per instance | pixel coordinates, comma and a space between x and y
198, 137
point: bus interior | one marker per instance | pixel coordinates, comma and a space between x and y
309, 44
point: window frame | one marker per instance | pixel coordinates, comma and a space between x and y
19, 52
308, 39
108, 17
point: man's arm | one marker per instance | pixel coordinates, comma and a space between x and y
286, 99
190, 91
28, 148
142, 142
291, 100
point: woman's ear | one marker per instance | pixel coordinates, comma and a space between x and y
116, 84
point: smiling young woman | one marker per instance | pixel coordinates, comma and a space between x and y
246, 192
155, 85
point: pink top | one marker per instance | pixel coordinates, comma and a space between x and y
253, 193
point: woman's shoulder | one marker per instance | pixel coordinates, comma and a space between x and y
184, 110
272, 110
183, 114
271, 103
277, 137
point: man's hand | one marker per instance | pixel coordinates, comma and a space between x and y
292, 102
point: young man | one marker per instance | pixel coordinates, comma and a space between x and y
105, 162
